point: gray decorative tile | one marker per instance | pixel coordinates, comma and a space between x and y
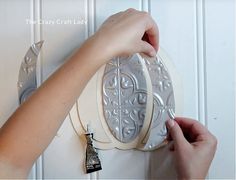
125, 97
163, 100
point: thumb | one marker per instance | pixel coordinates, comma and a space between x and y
176, 134
147, 48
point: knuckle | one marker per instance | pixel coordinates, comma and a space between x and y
145, 14
130, 10
213, 141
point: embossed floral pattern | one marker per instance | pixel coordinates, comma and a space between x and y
125, 97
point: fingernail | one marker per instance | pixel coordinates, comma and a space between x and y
170, 123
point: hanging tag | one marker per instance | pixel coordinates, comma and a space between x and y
92, 162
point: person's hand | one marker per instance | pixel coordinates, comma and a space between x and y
126, 33
193, 147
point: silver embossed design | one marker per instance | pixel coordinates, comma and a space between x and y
27, 81
164, 104
125, 97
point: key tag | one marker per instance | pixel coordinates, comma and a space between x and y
92, 162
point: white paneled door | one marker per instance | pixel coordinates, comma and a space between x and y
199, 37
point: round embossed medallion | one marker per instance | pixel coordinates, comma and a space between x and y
125, 97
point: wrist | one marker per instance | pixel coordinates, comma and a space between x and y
107, 43
99, 48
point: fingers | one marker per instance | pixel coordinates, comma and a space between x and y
191, 126
153, 35
126, 30
152, 32
147, 48
176, 134
151, 28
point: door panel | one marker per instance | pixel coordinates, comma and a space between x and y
220, 84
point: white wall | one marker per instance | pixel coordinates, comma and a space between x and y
199, 36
